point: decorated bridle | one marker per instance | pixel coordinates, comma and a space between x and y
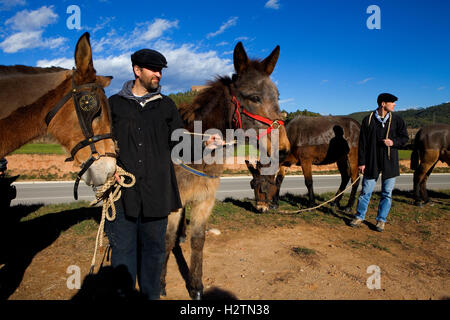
237, 117
87, 107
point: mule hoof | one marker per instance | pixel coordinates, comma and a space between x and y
418, 204
196, 294
163, 292
348, 209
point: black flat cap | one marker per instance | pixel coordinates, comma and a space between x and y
386, 97
147, 58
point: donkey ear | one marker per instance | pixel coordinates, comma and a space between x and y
83, 55
251, 168
104, 81
240, 58
270, 62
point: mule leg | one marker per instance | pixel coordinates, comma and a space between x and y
354, 172
171, 237
424, 184
307, 173
199, 217
419, 174
428, 161
344, 169
278, 181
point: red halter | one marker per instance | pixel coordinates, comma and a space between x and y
273, 124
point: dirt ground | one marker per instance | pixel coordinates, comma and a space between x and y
303, 260
272, 263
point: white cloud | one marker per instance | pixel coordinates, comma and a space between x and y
223, 43
272, 4
32, 20
365, 80
286, 100
242, 38
140, 37
29, 27
29, 40
441, 88
8, 4
231, 22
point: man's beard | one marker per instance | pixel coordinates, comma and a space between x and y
151, 85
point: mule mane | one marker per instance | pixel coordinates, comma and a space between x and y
209, 105
21, 69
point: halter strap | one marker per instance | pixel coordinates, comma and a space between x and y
91, 139
273, 124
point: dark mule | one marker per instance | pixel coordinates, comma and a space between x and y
216, 107
431, 144
71, 105
314, 141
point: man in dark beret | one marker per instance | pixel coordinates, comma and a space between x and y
382, 133
143, 120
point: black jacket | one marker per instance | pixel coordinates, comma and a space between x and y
143, 135
372, 151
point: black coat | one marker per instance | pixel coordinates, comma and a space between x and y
143, 135
373, 153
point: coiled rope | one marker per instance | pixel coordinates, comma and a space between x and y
109, 193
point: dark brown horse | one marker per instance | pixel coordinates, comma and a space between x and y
314, 141
216, 107
431, 144
29, 94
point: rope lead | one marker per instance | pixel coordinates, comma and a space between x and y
109, 193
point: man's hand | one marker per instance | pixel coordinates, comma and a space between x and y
361, 169
214, 141
388, 142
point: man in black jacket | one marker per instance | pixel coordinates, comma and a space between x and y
143, 120
382, 133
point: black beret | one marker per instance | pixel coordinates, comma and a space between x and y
386, 97
147, 58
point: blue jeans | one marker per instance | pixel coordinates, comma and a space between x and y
139, 245
386, 198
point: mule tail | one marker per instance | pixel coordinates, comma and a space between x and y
414, 164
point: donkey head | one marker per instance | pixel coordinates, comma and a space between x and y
257, 94
67, 127
265, 187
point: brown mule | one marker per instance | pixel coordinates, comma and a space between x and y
431, 144
314, 141
216, 108
28, 95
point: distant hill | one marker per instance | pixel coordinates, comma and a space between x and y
292, 115
416, 118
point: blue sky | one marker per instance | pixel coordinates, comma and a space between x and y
330, 61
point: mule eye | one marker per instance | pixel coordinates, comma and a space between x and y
255, 99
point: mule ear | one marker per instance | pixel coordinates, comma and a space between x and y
104, 81
83, 55
240, 58
270, 62
250, 167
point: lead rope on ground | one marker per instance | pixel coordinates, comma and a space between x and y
109, 193
322, 204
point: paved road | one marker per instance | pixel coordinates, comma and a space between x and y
235, 187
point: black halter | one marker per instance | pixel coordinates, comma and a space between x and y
87, 106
